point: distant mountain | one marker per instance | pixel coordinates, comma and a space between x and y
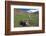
23, 12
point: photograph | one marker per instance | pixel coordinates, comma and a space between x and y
26, 17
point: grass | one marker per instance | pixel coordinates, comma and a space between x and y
33, 17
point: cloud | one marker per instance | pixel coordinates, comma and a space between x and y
31, 11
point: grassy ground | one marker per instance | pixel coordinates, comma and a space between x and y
33, 17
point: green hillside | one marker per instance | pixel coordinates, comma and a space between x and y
34, 19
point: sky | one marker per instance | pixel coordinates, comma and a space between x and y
28, 10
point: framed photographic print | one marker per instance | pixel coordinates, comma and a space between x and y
24, 18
